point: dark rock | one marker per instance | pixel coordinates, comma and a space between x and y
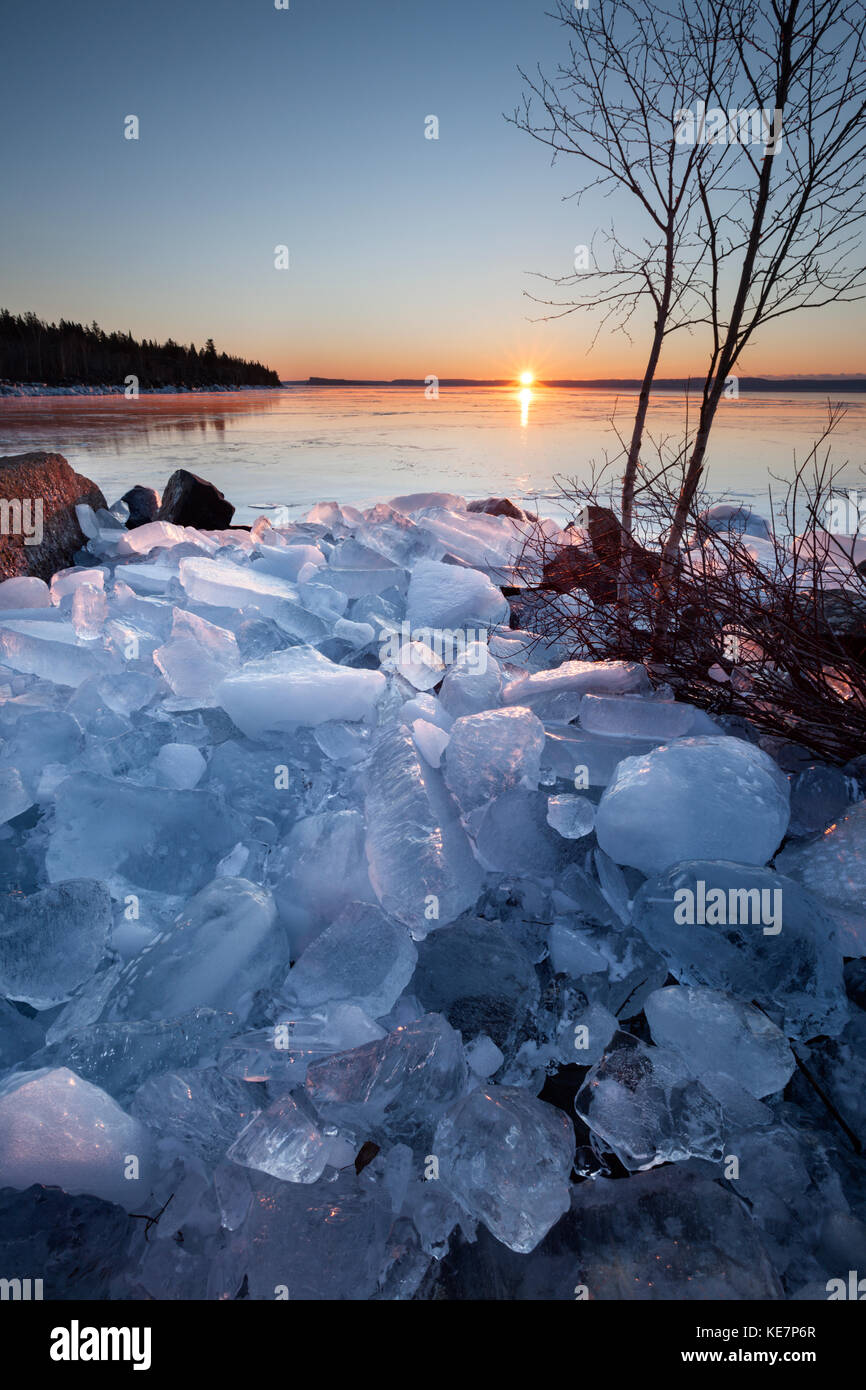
665, 1234
479, 977
40, 492
192, 501
143, 504
501, 506
595, 567
77, 1246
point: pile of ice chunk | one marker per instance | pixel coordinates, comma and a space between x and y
395, 953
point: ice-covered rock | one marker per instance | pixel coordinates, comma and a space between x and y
698, 798
506, 1157
362, 958
750, 932
421, 864
833, 867
52, 941
296, 687
449, 596
714, 1032
491, 753
59, 1130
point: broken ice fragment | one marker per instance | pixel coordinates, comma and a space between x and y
52, 941
646, 1106
507, 1157
362, 958
285, 1140
421, 864
491, 753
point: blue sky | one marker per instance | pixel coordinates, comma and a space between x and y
306, 127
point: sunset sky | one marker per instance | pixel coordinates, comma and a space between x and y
305, 127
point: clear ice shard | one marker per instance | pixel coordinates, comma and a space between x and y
492, 752
59, 1130
120, 1057
729, 941
506, 1158
362, 958
627, 716
52, 941
223, 945
395, 1087
698, 798
572, 817
715, 1032
647, 1106
421, 864
285, 1141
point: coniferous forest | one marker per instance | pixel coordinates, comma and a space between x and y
73, 354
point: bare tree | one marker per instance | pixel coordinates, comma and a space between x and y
617, 103
790, 218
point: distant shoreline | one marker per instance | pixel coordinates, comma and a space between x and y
746, 383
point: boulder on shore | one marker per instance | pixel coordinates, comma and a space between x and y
192, 501
39, 531
143, 504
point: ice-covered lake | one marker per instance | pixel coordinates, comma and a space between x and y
303, 444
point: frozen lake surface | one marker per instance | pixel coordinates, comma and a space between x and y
300, 445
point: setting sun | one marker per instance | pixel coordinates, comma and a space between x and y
526, 378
